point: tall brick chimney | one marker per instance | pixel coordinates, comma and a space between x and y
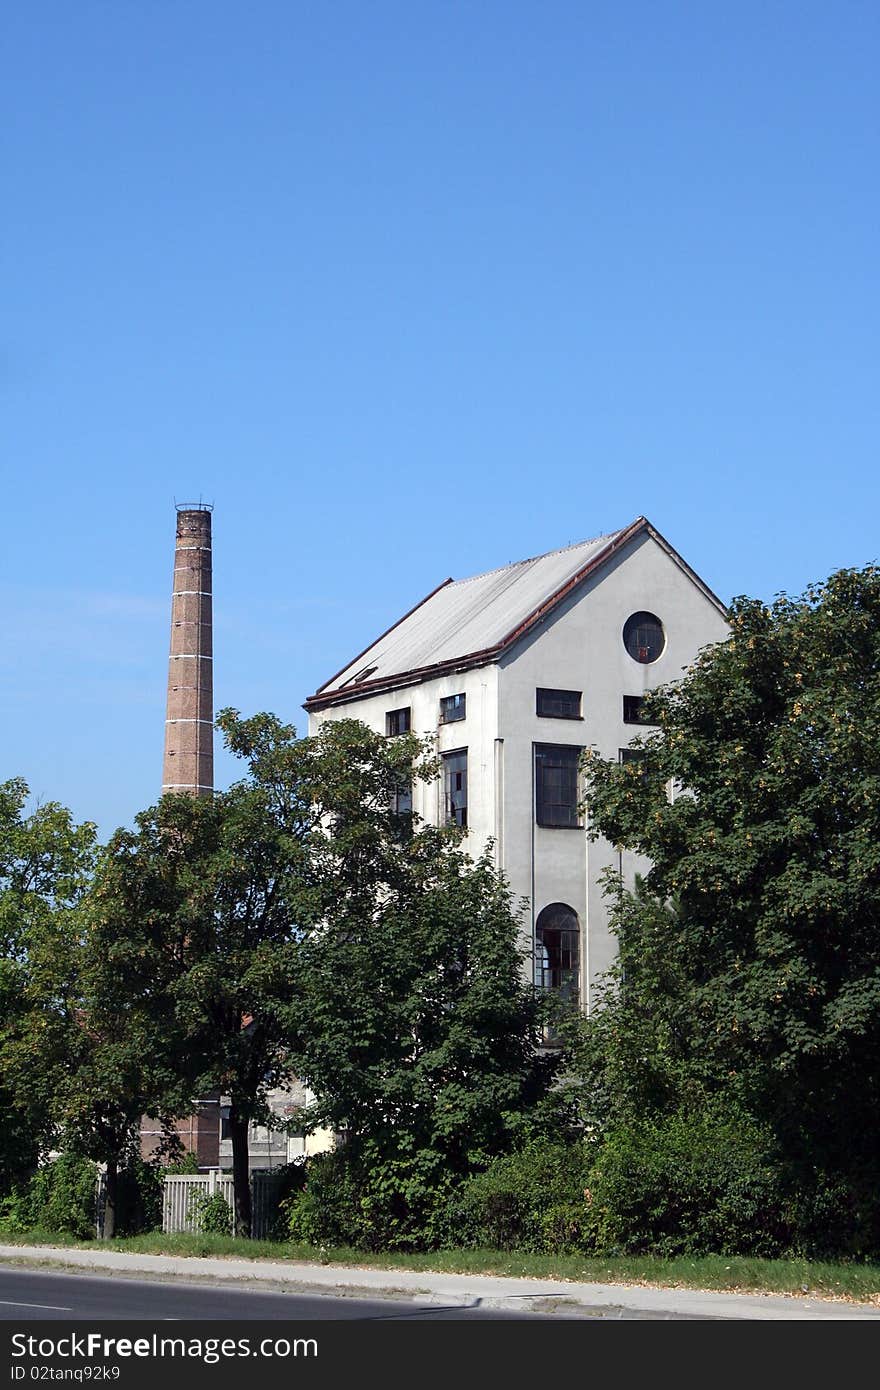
189, 723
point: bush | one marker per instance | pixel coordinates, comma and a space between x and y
326, 1210
139, 1198
61, 1196
15, 1211
834, 1217
372, 1202
530, 1200
212, 1214
282, 1186
691, 1183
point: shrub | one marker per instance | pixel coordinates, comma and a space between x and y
326, 1211
283, 1184
15, 1211
691, 1183
532, 1200
212, 1215
529, 1200
372, 1202
834, 1217
60, 1196
139, 1198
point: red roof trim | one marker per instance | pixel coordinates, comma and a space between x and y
619, 539
347, 694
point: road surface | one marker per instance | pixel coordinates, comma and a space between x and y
27, 1295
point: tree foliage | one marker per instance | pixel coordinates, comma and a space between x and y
45, 867
205, 906
200, 909
750, 953
419, 1037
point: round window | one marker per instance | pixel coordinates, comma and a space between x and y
643, 637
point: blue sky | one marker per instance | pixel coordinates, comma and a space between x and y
408, 291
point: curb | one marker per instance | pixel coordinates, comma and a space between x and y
565, 1298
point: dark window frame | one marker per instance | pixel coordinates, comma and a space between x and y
558, 952
547, 696
635, 757
455, 813
631, 755
639, 639
633, 711
393, 720
450, 712
557, 785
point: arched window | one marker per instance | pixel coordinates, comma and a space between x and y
557, 951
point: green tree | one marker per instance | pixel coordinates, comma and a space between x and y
204, 906
45, 866
313, 824
120, 1059
750, 954
200, 910
418, 1033
279, 913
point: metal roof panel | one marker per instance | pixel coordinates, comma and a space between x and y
467, 616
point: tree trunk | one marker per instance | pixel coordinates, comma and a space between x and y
238, 1129
111, 1190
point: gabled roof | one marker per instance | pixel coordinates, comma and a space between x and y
470, 622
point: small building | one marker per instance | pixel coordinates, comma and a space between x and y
514, 673
270, 1147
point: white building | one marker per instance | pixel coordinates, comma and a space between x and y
515, 672
270, 1148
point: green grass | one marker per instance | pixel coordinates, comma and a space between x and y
860, 1282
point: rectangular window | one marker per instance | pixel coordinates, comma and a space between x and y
397, 721
452, 707
633, 710
558, 704
635, 756
401, 799
556, 785
455, 787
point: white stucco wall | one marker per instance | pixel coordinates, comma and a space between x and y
579, 647
476, 733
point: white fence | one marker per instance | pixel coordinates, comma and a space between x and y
181, 1190
179, 1205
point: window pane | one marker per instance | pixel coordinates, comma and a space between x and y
397, 721
455, 787
632, 755
643, 637
557, 951
556, 785
636, 756
558, 704
634, 710
452, 707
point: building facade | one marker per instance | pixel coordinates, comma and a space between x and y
514, 673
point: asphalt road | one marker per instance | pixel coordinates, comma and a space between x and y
31, 1295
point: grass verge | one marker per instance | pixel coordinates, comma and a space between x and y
819, 1279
